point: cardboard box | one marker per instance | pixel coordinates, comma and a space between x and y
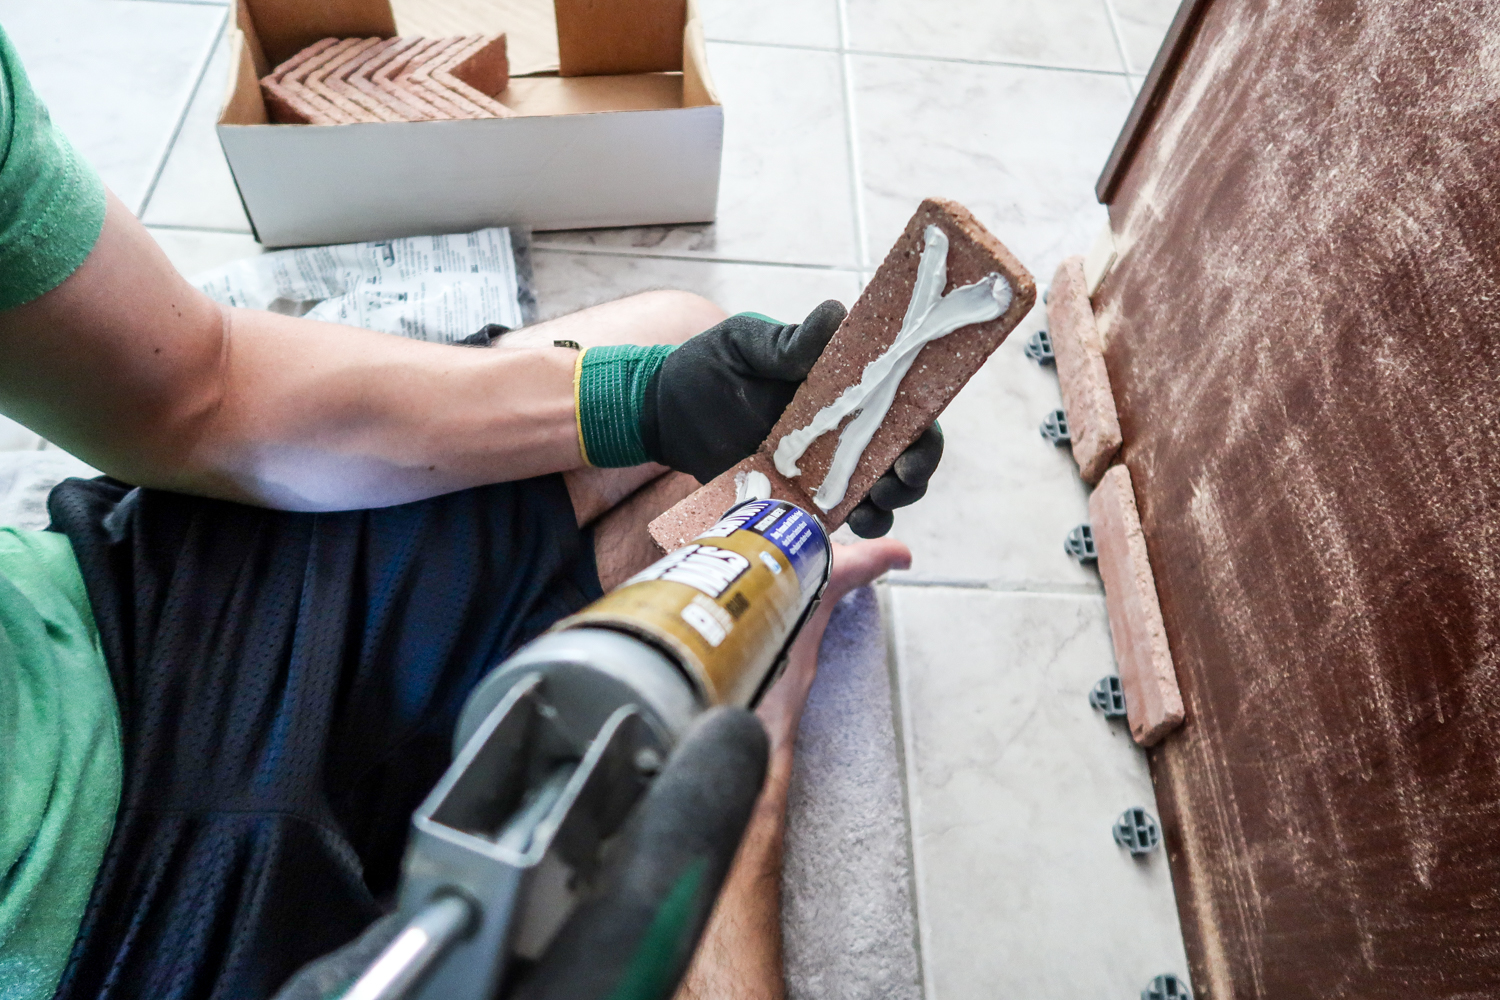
618, 147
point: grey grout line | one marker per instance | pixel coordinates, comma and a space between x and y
1036, 587
851, 134
166, 154
923, 57
776, 45
1114, 27
176, 227
694, 258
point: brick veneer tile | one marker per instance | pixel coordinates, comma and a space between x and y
939, 372
1152, 700
1090, 404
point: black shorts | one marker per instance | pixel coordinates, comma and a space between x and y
288, 687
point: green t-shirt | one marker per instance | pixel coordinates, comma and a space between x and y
51, 202
60, 757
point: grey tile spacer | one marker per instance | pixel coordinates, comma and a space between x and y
1039, 348
1137, 831
1166, 987
1080, 544
1108, 696
1055, 428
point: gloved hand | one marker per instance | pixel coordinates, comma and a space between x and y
716, 398
703, 407
904, 483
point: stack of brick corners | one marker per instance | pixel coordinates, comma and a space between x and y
340, 81
1153, 701
940, 371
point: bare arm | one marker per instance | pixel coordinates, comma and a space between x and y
134, 370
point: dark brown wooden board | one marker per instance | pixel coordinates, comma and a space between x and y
1303, 335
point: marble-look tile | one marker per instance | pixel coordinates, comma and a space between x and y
1020, 147
1014, 783
194, 251
1003, 498
18, 437
775, 22
1069, 33
1143, 24
566, 282
116, 77
196, 187
784, 189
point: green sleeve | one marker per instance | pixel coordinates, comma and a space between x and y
51, 201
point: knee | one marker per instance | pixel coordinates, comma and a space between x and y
681, 314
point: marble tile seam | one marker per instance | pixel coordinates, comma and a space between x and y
929, 57
1030, 588
1118, 35
176, 227
851, 138
895, 636
647, 254
198, 81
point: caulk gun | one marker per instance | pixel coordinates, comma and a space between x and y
603, 777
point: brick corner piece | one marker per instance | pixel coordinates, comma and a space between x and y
942, 368
1153, 702
1087, 399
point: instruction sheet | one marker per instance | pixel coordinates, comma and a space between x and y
438, 288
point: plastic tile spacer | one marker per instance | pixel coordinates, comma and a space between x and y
1108, 696
1039, 348
1137, 831
1080, 544
1166, 987
1055, 427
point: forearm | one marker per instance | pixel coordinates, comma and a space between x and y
137, 372
364, 419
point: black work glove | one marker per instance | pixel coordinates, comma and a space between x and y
904, 483
716, 398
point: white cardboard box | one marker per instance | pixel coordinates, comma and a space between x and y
581, 152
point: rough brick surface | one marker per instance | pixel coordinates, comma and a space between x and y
343, 82
939, 372
385, 80
297, 82
365, 80
417, 78
1152, 699
1090, 404
475, 71
485, 66
687, 519
288, 107
324, 82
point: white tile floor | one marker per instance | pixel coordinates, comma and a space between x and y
840, 116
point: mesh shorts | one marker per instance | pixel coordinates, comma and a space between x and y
288, 687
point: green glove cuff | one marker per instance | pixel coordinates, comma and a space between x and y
609, 390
